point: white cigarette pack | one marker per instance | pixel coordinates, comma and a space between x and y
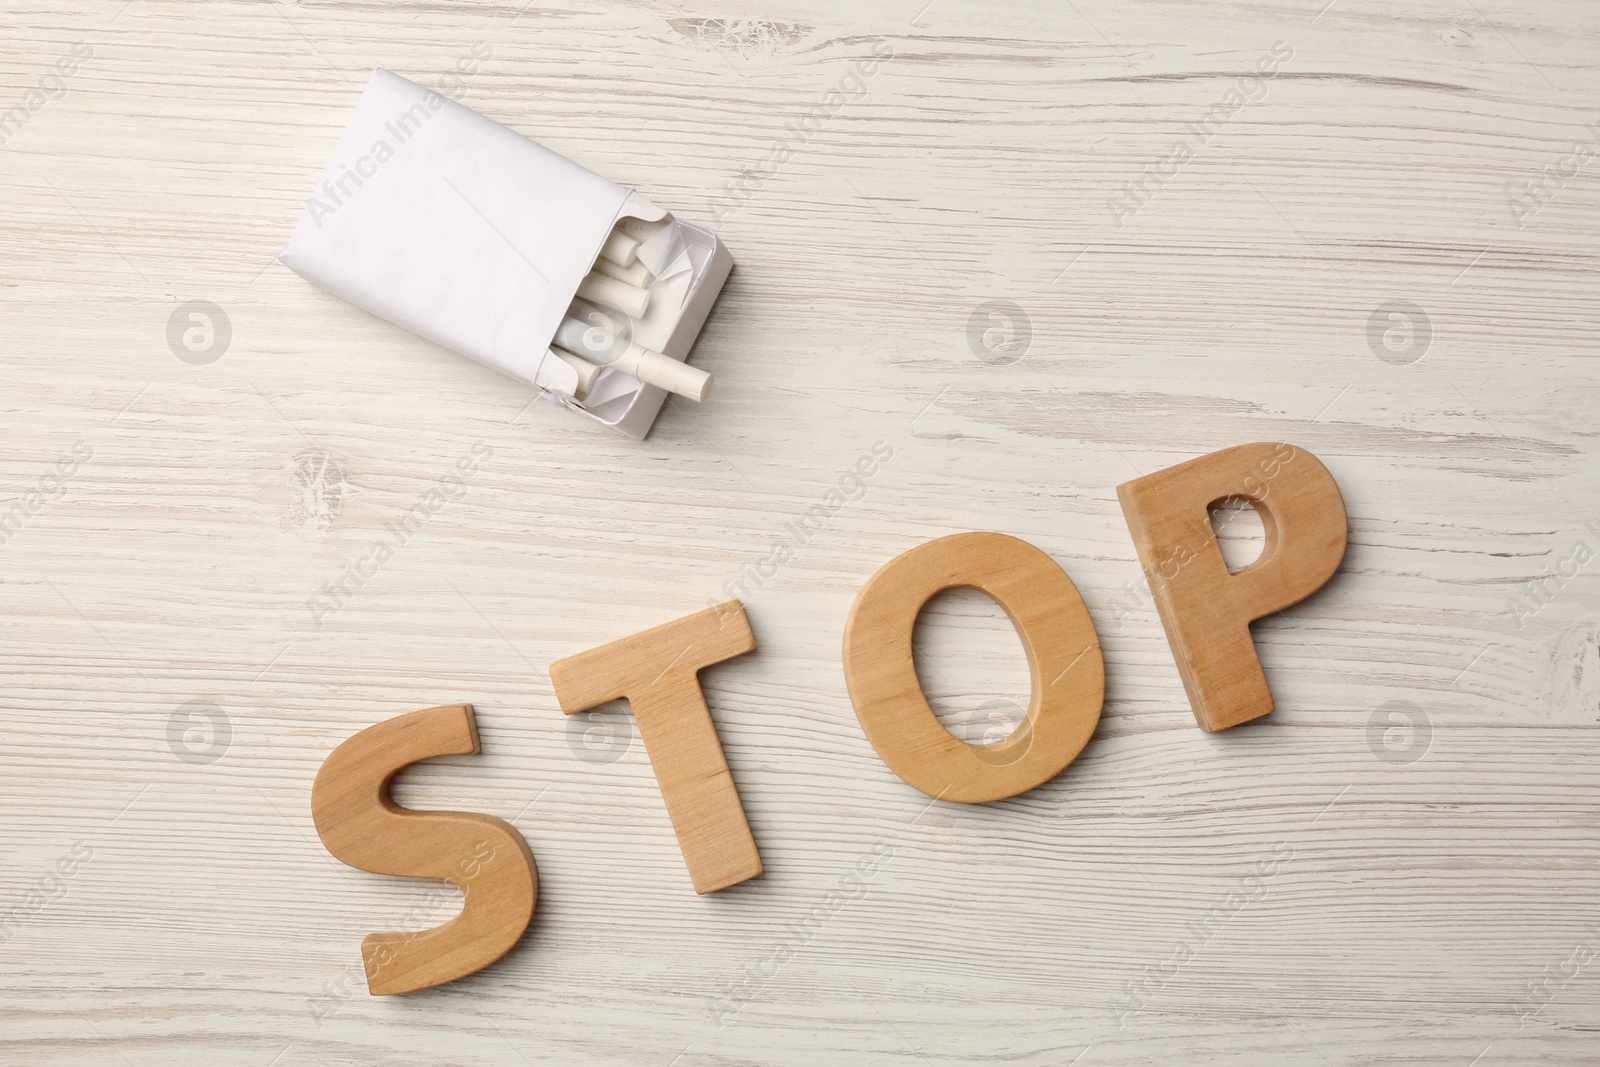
467, 233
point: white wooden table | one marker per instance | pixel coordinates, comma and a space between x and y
1425, 794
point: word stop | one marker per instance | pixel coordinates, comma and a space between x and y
1205, 610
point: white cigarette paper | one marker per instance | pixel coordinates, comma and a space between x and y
638, 274
467, 233
620, 249
599, 345
639, 229
433, 217
616, 295
588, 373
549, 378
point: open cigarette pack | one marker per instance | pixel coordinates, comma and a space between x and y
447, 223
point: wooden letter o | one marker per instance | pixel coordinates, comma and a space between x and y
1064, 662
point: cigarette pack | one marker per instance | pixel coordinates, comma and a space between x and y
471, 235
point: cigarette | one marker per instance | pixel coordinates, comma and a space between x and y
639, 229
620, 249
614, 294
601, 346
588, 373
638, 274
546, 379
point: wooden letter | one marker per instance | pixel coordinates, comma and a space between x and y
1064, 663
657, 671
1206, 611
484, 856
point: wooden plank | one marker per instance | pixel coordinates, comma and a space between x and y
1432, 761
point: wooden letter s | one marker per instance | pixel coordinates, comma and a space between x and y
487, 858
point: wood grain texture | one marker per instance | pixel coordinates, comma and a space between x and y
657, 671
1396, 865
1206, 607
1066, 672
360, 824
